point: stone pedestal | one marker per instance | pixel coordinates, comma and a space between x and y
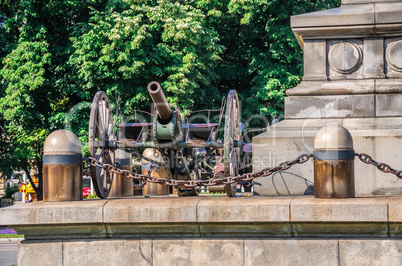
353, 76
200, 231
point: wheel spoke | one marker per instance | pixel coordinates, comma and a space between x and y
232, 133
101, 130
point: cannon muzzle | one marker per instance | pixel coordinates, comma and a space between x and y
162, 106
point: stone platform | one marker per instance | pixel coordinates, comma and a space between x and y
203, 230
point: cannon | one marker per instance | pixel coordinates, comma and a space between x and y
192, 151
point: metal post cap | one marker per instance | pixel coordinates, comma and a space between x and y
62, 142
333, 137
153, 155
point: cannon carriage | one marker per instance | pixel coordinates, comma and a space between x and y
191, 151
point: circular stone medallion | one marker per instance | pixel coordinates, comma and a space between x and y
345, 57
393, 55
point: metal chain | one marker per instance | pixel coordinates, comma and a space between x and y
383, 167
193, 183
365, 158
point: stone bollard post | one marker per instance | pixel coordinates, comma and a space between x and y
62, 167
334, 163
150, 157
122, 185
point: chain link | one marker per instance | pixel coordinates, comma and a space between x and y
194, 183
383, 167
248, 177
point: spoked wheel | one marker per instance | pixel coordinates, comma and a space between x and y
231, 154
101, 136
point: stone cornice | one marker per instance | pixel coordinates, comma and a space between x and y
350, 21
201, 216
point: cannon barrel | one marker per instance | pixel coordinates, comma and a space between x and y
162, 106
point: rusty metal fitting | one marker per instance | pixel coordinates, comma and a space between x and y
122, 186
334, 163
62, 167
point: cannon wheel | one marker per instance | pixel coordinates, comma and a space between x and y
231, 155
101, 135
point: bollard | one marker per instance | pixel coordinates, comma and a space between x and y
62, 167
153, 157
334, 163
122, 186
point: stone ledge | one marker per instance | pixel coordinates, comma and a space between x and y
344, 15
255, 209
339, 210
160, 210
346, 87
202, 216
77, 212
351, 15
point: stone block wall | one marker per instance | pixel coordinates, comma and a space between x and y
209, 231
227, 251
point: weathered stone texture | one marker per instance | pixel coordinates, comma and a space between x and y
244, 210
291, 252
370, 252
259, 232
306, 209
337, 106
198, 252
344, 15
395, 217
44, 253
388, 13
314, 66
340, 217
373, 59
151, 210
91, 212
389, 105
107, 252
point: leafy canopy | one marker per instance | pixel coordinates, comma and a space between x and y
55, 55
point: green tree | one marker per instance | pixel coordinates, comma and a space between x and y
262, 57
123, 48
33, 97
55, 55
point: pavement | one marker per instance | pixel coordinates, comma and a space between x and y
8, 251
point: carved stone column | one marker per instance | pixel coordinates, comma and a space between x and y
352, 76
352, 61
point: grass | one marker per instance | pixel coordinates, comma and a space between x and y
92, 196
11, 236
9, 233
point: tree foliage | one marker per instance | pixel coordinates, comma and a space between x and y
55, 55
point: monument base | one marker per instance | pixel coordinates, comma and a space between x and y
378, 137
207, 230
